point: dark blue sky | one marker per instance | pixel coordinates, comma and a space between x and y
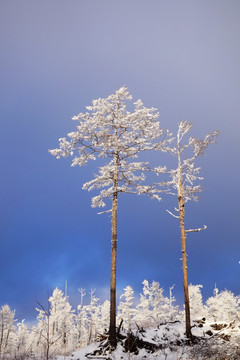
56, 56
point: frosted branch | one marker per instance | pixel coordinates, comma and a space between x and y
176, 216
196, 230
104, 212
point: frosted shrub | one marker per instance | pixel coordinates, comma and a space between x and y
223, 306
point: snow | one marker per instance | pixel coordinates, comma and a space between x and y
173, 344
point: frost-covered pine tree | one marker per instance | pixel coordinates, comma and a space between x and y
154, 307
125, 310
223, 306
104, 317
160, 303
22, 348
7, 330
183, 179
93, 311
108, 130
91, 319
55, 328
43, 341
61, 321
143, 315
197, 308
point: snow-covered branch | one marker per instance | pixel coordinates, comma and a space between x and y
196, 230
176, 216
104, 212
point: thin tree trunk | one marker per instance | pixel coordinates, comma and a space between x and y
112, 327
181, 204
185, 270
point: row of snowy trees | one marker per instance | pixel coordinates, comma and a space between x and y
108, 130
60, 329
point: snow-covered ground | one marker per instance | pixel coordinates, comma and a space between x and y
213, 342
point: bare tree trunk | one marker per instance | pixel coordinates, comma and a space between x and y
112, 327
185, 270
181, 204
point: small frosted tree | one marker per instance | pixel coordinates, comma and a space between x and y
107, 130
173, 309
61, 320
22, 348
223, 306
182, 182
7, 329
154, 307
143, 316
125, 310
104, 316
93, 312
55, 328
81, 338
197, 308
44, 341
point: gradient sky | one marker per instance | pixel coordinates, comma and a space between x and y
56, 56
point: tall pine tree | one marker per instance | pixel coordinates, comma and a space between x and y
108, 130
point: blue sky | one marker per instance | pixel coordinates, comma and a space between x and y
56, 56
